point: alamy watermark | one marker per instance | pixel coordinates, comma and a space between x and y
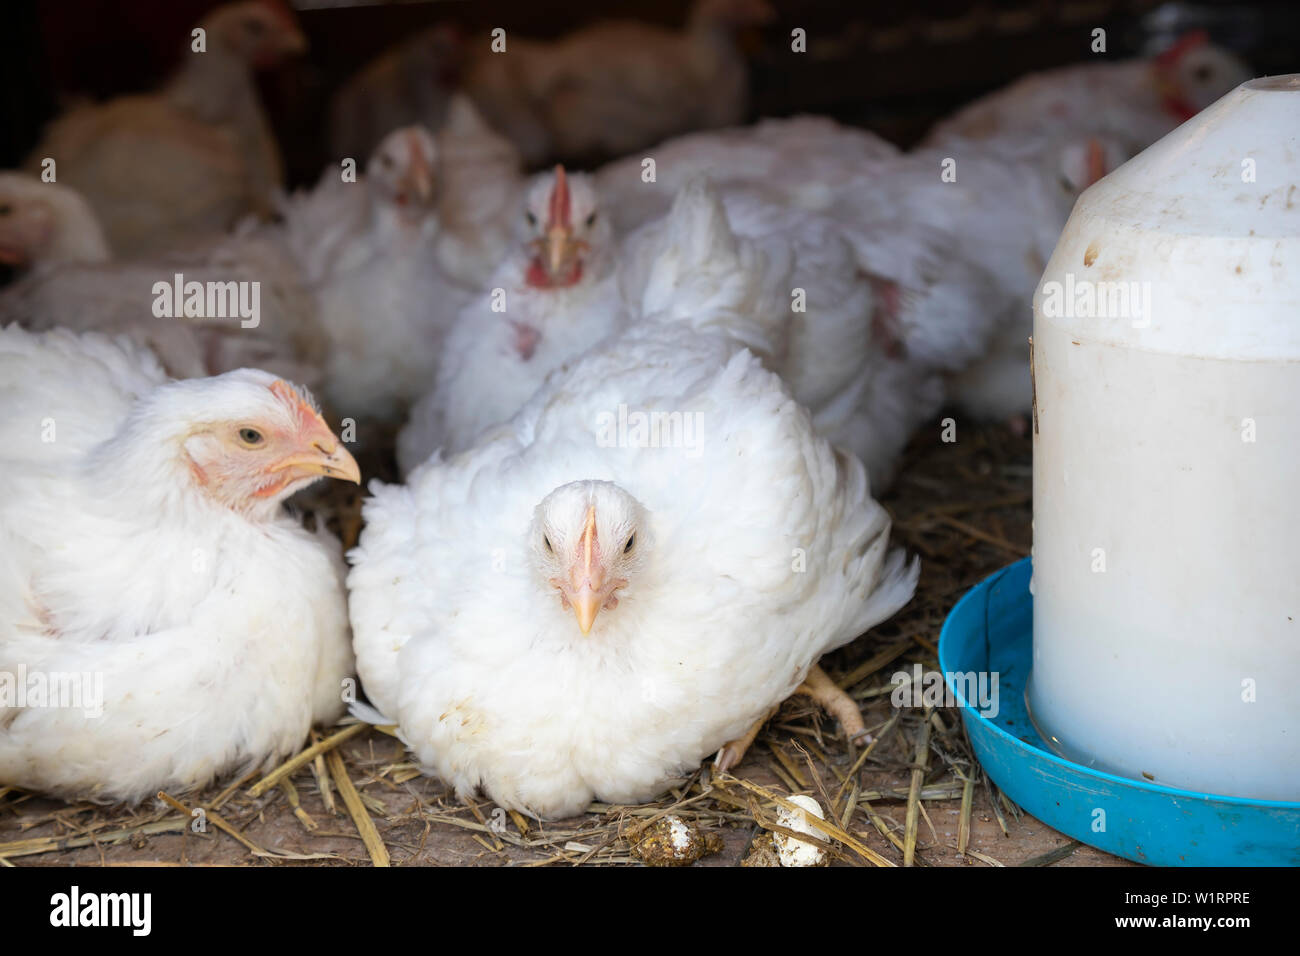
922, 688
1086, 299
208, 300
82, 690
655, 429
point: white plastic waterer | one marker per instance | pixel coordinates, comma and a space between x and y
1166, 358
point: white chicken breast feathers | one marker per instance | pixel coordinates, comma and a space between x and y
145, 556
711, 573
554, 297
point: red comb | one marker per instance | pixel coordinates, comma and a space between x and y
1182, 46
560, 207
304, 405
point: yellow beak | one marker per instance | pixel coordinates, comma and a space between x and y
587, 577
586, 605
332, 461
559, 248
420, 178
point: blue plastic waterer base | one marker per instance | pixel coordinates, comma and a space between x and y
990, 631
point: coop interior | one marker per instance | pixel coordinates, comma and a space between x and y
557, 132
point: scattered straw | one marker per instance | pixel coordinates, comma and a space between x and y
914, 797
352, 800
963, 825
292, 765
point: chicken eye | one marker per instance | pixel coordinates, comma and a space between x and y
250, 436
630, 541
5, 209
531, 219
591, 220
547, 541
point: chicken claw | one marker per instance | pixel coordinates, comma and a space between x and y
733, 751
827, 695
835, 702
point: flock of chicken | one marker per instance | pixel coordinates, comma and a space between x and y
643, 410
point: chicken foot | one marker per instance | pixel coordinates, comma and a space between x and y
835, 702
733, 751
826, 694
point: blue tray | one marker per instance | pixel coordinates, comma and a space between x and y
991, 631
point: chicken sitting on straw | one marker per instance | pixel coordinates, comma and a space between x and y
145, 555
575, 609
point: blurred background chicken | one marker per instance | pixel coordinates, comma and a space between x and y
194, 156
555, 295
382, 304
1136, 100
69, 278
600, 91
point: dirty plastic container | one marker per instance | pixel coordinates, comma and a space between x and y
1166, 365
990, 632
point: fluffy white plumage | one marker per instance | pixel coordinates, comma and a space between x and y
142, 540
984, 233
192, 158
795, 160
383, 304
554, 297
71, 281
462, 637
863, 319
483, 187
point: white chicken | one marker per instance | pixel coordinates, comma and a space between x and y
1001, 211
483, 186
874, 314
555, 297
605, 89
70, 280
383, 303
148, 568
1137, 100
192, 158
709, 560
797, 160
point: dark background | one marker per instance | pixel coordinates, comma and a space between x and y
895, 67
